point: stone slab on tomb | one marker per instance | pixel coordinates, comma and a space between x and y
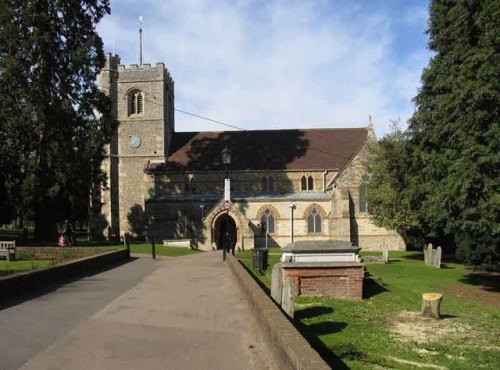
320, 251
178, 243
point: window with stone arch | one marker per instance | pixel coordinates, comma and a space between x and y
135, 102
314, 222
310, 183
303, 183
363, 203
267, 221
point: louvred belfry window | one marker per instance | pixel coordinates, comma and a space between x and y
136, 102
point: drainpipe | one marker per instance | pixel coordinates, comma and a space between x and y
324, 180
292, 206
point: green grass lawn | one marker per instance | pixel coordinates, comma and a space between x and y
385, 330
11, 267
162, 250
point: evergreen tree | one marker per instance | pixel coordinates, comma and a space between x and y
54, 121
454, 135
389, 177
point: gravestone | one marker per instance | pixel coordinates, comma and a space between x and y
288, 298
428, 255
437, 257
277, 283
433, 256
385, 253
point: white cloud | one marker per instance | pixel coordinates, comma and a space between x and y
259, 64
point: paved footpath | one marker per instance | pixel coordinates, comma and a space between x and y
182, 313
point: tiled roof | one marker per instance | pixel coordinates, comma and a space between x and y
308, 149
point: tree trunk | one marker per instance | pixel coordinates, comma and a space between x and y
47, 214
431, 303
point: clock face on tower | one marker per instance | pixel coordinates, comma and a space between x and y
135, 141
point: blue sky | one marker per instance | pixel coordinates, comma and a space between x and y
260, 64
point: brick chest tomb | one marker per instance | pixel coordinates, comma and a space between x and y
327, 268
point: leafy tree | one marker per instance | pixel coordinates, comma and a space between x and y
454, 135
385, 193
54, 121
137, 220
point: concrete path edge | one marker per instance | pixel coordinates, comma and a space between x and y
288, 347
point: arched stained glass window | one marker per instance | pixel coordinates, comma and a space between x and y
314, 222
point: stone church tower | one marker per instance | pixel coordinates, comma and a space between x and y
143, 104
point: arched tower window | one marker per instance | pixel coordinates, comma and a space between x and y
267, 221
310, 183
314, 222
135, 102
363, 204
303, 183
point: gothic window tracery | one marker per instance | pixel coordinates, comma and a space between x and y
306, 183
314, 222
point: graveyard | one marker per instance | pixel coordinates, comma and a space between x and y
386, 329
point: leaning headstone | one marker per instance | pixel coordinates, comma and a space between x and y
288, 298
277, 283
437, 257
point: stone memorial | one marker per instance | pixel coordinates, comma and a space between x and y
385, 253
324, 268
433, 256
288, 298
437, 257
277, 283
428, 254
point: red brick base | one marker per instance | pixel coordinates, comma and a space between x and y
343, 281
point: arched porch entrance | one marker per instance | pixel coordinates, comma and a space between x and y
224, 231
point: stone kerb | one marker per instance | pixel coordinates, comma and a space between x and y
288, 347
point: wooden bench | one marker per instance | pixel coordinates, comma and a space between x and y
8, 250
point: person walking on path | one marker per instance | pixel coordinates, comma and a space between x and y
61, 234
68, 233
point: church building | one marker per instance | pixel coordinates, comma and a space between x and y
284, 185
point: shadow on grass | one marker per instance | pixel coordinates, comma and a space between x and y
416, 256
43, 288
309, 312
372, 287
312, 332
488, 281
256, 278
